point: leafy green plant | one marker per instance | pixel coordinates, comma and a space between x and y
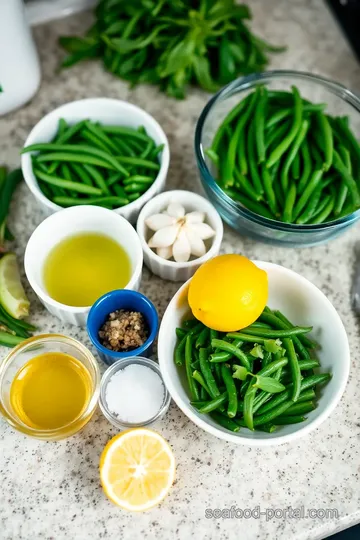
172, 43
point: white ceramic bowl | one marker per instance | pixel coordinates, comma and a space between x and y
172, 270
302, 303
71, 221
106, 111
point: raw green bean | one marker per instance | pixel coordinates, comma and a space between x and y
295, 167
225, 422
307, 168
245, 186
138, 162
259, 123
228, 119
97, 177
214, 403
138, 179
326, 135
348, 179
254, 172
207, 373
99, 133
269, 191
79, 158
244, 168
311, 186
82, 174
231, 390
92, 138
311, 207
255, 207
100, 201
289, 204
66, 184
278, 152
125, 131
114, 179
229, 347
70, 132
293, 152
194, 392
325, 212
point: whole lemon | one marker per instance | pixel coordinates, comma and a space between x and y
228, 293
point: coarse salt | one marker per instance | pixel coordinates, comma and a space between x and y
135, 394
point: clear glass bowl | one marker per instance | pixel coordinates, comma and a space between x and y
340, 101
24, 352
121, 364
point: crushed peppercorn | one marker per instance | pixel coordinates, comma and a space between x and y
124, 331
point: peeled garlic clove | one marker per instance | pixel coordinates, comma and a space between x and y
197, 246
176, 210
195, 217
202, 230
164, 238
165, 252
159, 221
181, 248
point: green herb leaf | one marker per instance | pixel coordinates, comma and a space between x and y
268, 384
272, 345
240, 372
257, 352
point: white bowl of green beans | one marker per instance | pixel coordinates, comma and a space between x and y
308, 369
98, 151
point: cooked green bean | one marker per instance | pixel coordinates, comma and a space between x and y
284, 420
229, 347
214, 403
231, 390
200, 379
225, 422
194, 392
300, 408
207, 373
294, 367
268, 333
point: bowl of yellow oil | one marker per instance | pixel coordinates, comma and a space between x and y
77, 255
49, 386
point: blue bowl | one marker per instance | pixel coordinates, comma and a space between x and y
122, 299
339, 100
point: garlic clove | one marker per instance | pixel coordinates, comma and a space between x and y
159, 221
195, 217
202, 230
175, 210
164, 252
181, 248
197, 245
164, 237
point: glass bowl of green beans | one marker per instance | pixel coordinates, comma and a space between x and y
279, 157
98, 151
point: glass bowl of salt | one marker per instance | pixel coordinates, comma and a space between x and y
133, 393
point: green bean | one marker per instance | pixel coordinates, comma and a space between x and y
180, 332
276, 135
214, 403
311, 207
272, 414
97, 177
228, 119
125, 131
194, 392
80, 158
295, 167
200, 379
278, 152
114, 179
307, 168
101, 135
322, 216
92, 138
289, 204
326, 135
254, 172
231, 348
304, 339
202, 338
246, 187
138, 162
284, 420
207, 373
231, 390
82, 174
255, 207
138, 179
9, 340
220, 357
270, 333
294, 367
259, 123
348, 179
281, 114
293, 152
311, 186
194, 329
70, 132
263, 397
67, 184
100, 201
269, 191
301, 408
274, 321
225, 422
244, 168
119, 191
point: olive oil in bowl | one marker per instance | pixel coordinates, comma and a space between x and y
83, 267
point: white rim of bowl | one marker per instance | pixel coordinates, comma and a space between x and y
74, 309
219, 229
164, 163
275, 440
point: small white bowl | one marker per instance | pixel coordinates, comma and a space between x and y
71, 221
172, 270
303, 304
106, 111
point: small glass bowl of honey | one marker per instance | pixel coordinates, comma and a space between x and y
49, 386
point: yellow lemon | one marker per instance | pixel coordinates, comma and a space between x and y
228, 293
137, 469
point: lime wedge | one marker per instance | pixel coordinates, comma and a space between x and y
12, 294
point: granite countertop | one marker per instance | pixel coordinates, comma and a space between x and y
52, 490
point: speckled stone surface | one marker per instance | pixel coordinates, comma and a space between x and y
52, 490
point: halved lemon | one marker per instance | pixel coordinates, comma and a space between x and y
12, 294
137, 469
